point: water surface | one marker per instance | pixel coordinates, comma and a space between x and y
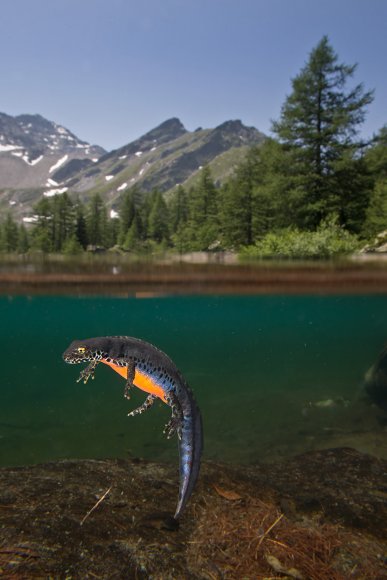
263, 369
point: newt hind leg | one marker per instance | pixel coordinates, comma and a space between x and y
175, 423
144, 407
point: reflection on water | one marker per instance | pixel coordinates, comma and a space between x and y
274, 375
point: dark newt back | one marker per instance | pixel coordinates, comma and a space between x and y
129, 348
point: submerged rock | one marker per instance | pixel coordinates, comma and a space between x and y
88, 519
375, 383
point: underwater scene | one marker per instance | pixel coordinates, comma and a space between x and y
274, 376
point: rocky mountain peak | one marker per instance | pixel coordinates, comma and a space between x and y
167, 131
33, 135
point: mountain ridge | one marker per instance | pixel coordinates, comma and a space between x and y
39, 157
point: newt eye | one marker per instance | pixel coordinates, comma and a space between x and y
81, 349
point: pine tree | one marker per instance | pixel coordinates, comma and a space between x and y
318, 128
63, 220
127, 213
23, 244
203, 224
72, 246
96, 221
237, 203
376, 160
133, 235
10, 234
42, 234
178, 218
376, 219
158, 219
80, 225
178, 208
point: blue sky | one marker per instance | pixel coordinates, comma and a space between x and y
110, 70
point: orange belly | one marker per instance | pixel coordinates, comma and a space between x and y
141, 380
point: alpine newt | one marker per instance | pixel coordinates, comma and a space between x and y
151, 370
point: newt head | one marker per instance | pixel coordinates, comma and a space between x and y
78, 352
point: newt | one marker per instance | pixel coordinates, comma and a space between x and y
151, 370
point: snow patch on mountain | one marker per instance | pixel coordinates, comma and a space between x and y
52, 192
34, 161
9, 147
58, 163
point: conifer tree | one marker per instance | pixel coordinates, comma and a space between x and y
318, 127
203, 224
10, 234
80, 225
96, 221
238, 204
23, 244
178, 208
178, 218
376, 160
42, 234
132, 239
63, 220
127, 213
158, 219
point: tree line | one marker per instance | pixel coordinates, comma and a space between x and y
315, 180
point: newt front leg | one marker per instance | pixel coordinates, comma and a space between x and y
130, 378
88, 372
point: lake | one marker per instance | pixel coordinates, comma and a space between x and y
274, 375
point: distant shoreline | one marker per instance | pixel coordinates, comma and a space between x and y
151, 279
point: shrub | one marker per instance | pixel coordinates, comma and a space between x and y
329, 240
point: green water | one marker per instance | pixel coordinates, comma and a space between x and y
261, 368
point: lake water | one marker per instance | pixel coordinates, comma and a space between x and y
273, 375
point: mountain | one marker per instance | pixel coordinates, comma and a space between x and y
163, 158
32, 148
38, 157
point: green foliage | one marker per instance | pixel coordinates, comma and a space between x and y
72, 246
317, 129
127, 214
41, 240
178, 209
96, 221
250, 203
9, 235
158, 219
178, 219
23, 243
80, 226
329, 240
63, 220
43, 234
132, 239
376, 218
203, 221
237, 207
376, 160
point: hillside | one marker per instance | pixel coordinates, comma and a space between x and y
38, 157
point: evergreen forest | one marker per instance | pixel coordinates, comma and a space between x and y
313, 189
